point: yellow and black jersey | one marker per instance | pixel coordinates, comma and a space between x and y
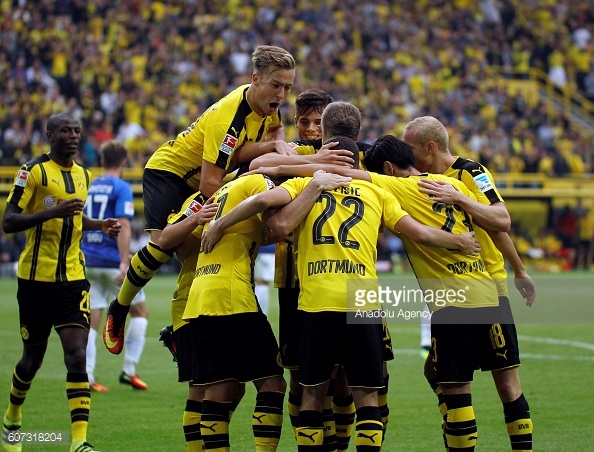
439, 268
337, 241
224, 279
191, 206
479, 180
285, 271
52, 251
214, 136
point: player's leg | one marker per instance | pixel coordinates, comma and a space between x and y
134, 342
382, 392
35, 326
103, 288
267, 420
192, 417
499, 352
364, 367
157, 185
214, 422
453, 357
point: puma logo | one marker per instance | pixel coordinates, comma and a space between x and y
56, 181
211, 427
503, 355
476, 170
363, 435
235, 131
258, 418
305, 435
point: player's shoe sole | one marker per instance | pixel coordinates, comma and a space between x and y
82, 446
133, 381
10, 431
113, 330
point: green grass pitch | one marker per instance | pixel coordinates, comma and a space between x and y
558, 364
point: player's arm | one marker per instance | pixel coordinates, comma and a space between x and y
307, 170
109, 226
430, 236
175, 234
490, 216
284, 221
14, 220
325, 156
276, 197
523, 282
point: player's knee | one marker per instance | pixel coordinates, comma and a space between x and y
76, 359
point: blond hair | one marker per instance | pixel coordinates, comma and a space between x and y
267, 59
427, 128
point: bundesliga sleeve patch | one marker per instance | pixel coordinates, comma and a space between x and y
483, 182
129, 208
228, 144
21, 179
193, 208
269, 183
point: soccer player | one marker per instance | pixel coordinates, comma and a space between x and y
108, 259
438, 270
198, 159
233, 341
358, 211
183, 232
430, 142
46, 201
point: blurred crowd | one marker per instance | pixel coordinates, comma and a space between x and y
142, 70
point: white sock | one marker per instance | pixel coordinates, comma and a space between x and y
426, 330
263, 295
134, 344
91, 355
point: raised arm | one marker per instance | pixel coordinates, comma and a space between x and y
276, 197
175, 234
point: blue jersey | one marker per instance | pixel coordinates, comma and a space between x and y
109, 197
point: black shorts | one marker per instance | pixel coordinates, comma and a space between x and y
457, 350
186, 354
289, 326
327, 339
43, 305
163, 193
240, 347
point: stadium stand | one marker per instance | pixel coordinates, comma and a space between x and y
511, 95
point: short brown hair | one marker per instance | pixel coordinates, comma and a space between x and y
267, 59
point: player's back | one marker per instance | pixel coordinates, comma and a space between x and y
223, 282
439, 268
108, 197
337, 241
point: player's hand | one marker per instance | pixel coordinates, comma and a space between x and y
327, 156
207, 212
470, 246
68, 208
270, 171
439, 191
111, 227
211, 237
526, 287
329, 181
284, 148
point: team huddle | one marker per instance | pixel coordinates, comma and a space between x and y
323, 198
